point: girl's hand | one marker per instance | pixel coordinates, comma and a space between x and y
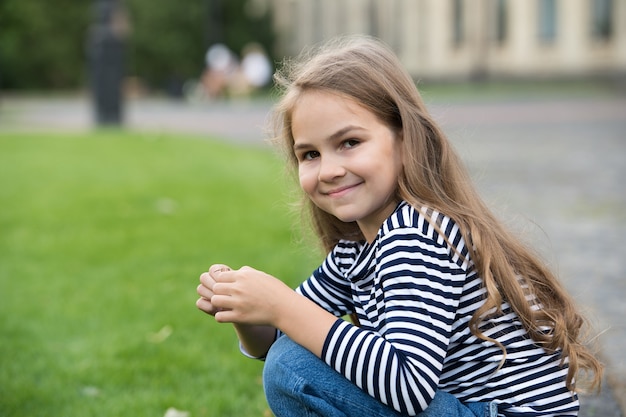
245, 296
258, 304
205, 289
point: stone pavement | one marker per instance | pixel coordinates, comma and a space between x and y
555, 165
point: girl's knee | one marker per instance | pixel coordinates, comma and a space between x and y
281, 362
285, 377
283, 350
282, 346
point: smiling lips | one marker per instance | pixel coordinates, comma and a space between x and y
341, 191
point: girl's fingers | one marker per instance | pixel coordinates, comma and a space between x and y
225, 275
225, 316
207, 280
205, 305
219, 268
206, 288
204, 292
221, 302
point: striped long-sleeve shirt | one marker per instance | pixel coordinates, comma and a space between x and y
414, 292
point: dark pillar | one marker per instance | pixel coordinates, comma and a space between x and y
106, 46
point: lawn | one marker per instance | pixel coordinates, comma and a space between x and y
102, 238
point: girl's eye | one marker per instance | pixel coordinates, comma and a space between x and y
309, 155
350, 143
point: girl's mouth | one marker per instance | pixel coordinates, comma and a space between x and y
341, 191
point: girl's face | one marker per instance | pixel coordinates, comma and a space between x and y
348, 160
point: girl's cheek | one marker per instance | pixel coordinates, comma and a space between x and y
308, 180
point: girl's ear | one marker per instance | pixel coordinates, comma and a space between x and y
399, 135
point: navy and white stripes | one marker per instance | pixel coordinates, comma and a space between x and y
414, 292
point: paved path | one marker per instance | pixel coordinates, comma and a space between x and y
556, 166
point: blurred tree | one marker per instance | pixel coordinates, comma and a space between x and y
166, 43
245, 21
169, 39
42, 43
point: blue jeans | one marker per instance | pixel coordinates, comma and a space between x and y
298, 383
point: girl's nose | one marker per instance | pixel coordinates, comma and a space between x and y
330, 168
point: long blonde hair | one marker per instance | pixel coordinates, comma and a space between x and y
433, 176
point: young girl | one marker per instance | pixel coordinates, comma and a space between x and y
455, 317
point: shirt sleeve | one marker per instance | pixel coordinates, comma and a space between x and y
420, 283
245, 353
327, 286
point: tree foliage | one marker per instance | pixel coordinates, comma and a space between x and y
43, 44
167, 40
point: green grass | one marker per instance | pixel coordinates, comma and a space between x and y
102, 239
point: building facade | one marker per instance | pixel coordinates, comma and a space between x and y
464, 39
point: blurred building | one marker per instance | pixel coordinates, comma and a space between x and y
461, 39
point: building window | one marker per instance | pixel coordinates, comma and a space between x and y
501, 21
547, 21
602, 25
458, 25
